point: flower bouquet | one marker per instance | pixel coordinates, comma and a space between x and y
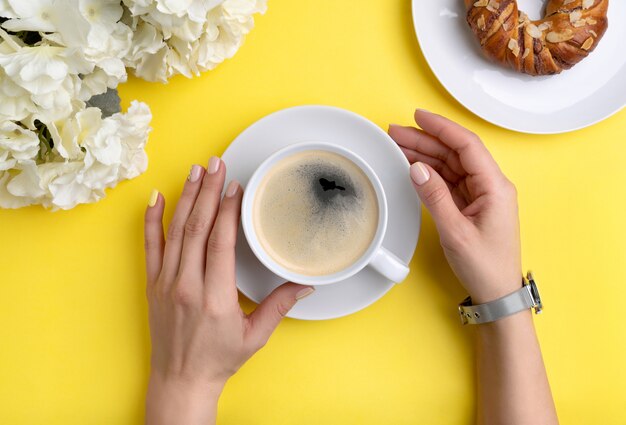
63, 137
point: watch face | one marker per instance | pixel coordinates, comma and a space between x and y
534, 292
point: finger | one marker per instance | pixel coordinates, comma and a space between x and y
420, 141
461, 195
267, 316
473, 155
441, 167
437, 199
176, 230
455, 183
220, 253
202, 217
153, 236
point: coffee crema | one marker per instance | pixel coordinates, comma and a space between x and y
315, 213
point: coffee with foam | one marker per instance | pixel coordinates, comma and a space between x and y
315, 213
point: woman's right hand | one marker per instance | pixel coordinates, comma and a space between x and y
199, 334
473, 204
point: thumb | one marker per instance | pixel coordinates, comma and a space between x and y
436, 197
271, 311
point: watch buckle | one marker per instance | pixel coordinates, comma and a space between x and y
529, 281
466, 302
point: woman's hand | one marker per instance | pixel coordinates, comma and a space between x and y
475, 210
473, 204
200, 336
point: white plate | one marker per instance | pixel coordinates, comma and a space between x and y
591, 91
328, 124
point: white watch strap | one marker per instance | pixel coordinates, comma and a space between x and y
523, 299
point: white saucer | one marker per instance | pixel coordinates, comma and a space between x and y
591, 91
334, 125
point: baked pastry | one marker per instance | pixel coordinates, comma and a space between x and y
570, 30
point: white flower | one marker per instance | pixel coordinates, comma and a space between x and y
184, 18
133, 133
174, 7
16, 103
55, 55
34, 15
89, 155
75, 184
43, 69
16, 144
7, 199
21, 143
101, 12
148, 52
69, 134
42, 82
108, 39
91, 27
187, 36
104, 144
26, 185
98, 81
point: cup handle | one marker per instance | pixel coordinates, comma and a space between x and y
389, 265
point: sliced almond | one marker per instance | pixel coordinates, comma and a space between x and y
533, 31
575, 16
558, 37
526, 53
514, 47
592, 32
481, 3
591, 21
566, 2
580, 23
481, 23
587, 44
588, 3
544, 26
493, 6
522, 17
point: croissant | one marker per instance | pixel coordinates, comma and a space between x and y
570, 30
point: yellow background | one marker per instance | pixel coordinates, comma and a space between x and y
73, 331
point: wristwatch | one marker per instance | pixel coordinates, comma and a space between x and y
524, 298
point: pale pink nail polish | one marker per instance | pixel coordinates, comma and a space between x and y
419, 173
194, 173
305, 292
214, 165
232, 188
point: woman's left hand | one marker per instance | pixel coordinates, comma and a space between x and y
200, 336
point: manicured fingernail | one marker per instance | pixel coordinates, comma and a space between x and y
394, 125
232, 188
419, 173
422, 110
214, 165
154, 197
305, 292
194, 173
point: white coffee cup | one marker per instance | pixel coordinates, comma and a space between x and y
376, 256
